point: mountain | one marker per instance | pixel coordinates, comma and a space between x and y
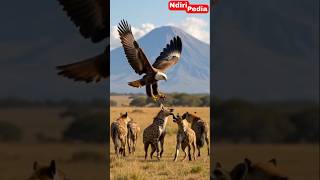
190, 75
266, 50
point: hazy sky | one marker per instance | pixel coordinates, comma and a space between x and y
145, 15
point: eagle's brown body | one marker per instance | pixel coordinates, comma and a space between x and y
140, 63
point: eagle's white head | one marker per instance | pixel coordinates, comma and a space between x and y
161, 76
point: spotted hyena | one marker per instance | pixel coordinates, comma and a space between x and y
201, 129
119, 133
251, 171
47, 172
154, 134
132, 137
186, 137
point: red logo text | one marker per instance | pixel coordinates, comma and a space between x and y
188, 7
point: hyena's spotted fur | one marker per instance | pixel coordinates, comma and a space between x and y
47, 172
200, 128
250, 171
119, 132
186, 137
155, 133
133, 133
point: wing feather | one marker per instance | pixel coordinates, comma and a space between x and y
91, 16
92, 69
170, 55
136, 57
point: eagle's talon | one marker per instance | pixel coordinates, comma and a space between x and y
154, 98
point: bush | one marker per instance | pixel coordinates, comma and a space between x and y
139, 101
307, 126
9, 132
241, 121
87, 128
113, 103
88, 156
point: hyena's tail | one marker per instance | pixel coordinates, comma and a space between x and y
200, 141
138, 83
115, 136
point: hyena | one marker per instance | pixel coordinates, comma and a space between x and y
186, 137
47, 172
119, 132
133, 133
249, 171
155, 132
200, 128
220, 173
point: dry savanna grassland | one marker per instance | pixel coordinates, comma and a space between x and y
80, 161
88, 161
135, 167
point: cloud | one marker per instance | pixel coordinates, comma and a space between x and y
137, 32
196, 27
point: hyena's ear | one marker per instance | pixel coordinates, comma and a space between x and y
218, 165
273, 161
126, 114
247, 161
195, 112
35, 165
52, 168
239, 171
161, 106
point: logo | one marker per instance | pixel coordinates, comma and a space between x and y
188, 7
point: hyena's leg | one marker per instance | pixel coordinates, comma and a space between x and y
153, 149
177, 151
189, 152
198, 147
184, 149
208, 144
116, 150
124, 147
129, 143
162, 142
146, 146
194, 150
156, 144
133, 146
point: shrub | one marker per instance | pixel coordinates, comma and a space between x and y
9, 132
113, 103
87, 128
139, 101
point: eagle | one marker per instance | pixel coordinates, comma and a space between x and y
141, 65
91, 17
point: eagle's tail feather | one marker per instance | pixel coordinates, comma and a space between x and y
137, 83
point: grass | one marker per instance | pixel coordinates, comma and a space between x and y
134, 166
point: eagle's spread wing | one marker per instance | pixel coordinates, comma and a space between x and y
136, 58
170, 55
91, 16
92, 69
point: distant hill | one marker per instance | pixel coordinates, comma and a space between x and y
266, 50
190, 75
